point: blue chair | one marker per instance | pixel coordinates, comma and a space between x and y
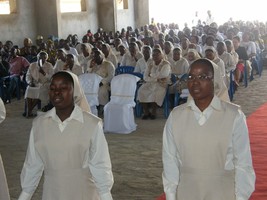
177, 95
124, 70
245, 74
231, 89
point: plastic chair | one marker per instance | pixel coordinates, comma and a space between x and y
166, 102
90, 84
181, 93
231, 89
119, 113
124, 70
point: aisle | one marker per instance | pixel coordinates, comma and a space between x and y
257, 124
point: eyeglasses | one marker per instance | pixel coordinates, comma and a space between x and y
202, 77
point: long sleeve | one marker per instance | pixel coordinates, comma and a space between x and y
31, 172
244, 172
100, 164
2, 111
171, 162
110, 72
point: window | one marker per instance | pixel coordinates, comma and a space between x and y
72, 6
7, 7
122, 4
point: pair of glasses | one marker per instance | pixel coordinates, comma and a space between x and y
202, 77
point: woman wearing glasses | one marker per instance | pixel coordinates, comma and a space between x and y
206, 149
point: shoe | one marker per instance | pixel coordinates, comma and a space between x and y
152, 116
145, 117
31, 116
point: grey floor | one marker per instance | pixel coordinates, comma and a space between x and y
136, 158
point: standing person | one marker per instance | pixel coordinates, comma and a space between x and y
206, 149
4, 193
210, 18
69, 146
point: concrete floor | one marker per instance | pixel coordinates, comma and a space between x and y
136, 157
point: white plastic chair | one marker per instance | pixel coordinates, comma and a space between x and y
90, 84
119, 113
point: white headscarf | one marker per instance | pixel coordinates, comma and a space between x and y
78, 93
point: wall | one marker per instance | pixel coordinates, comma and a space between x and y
79, 23
43, 17
47, 17
125, 17
17, 26
106, 14
141, 8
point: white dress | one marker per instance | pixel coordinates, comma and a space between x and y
157, 78
39, 90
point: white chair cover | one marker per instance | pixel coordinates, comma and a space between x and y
119, 113
90, 84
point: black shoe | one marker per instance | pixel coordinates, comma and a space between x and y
145, 117
152, 116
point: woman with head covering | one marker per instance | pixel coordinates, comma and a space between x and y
69, 146
179, 64
106, 70
211, 54
206, 150
73, 65
132, 56
152, 92
192, 55
142, 63
85, 55
109, 55
4, 193
61, 59
168, 48
38, 79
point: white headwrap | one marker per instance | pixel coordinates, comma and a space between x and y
79, 97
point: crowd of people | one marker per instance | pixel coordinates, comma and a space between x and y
231, 46
216, 165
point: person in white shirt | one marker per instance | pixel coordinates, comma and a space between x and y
60, 62
106, 70
69, 146
168, 47
132, 56
85, 55
142, 63
38, 78
179, 64
157, 76
4, 192
73, 65
228, 60
2, 111
206, 149
211, 54
109, 55
210, 18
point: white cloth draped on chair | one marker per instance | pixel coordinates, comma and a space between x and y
119, 113
90, 84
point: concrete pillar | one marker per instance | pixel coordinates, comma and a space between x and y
48, 17
141, 8
106, 14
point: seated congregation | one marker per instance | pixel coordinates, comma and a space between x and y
157, 55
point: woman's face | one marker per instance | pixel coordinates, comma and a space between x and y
61, 93
157, 57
